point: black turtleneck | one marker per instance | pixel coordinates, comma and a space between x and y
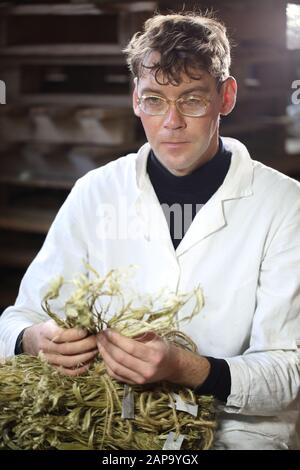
191, 192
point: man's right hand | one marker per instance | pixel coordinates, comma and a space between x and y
69, 350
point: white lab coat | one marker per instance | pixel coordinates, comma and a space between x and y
242, 248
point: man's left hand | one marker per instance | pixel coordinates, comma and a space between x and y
150, 358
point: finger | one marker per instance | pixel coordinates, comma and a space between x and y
146, 337
119, 367
51, 330
71, 348
122, 363
68, 335
117, 377
57, 334
130, 346
124, 350
70, 361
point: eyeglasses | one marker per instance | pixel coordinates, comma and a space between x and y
192, 106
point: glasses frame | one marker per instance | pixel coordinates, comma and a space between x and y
168, 101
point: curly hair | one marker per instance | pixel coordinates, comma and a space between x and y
186, 43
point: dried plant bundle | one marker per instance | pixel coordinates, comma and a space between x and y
43, 409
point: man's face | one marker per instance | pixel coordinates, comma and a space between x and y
181, 143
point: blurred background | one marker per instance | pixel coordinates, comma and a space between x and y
68, 95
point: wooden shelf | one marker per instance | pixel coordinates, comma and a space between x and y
31, 180
257, 125
59, 50
16, 252
260, 94
49, 137
113, 101
59, 9
262, 54
78, 124
64, 54
18, 257
9, 287
83, 8
59, 166
290, 165
27, 220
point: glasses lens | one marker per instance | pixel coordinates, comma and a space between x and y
192, 106
153, 105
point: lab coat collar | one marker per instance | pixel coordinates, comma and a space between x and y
211, 218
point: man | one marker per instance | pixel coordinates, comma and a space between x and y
198, 210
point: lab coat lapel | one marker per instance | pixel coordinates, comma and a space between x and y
148, 209
211, 217
237, 184
208, 220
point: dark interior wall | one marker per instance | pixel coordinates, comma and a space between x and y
69, 106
